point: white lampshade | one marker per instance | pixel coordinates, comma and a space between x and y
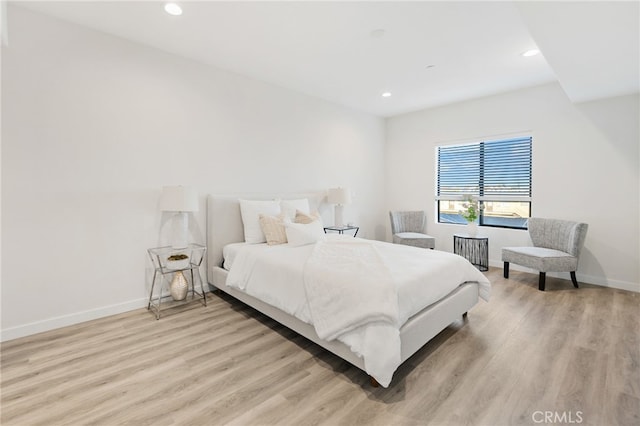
339, 196
179, 199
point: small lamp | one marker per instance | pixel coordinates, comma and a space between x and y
339, 197
179, 199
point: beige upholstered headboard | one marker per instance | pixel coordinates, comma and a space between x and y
224, 223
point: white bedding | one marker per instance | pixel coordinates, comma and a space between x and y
419, 278
348, 286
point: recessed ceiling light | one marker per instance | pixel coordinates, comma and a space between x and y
173, 9
532, 52
386, 94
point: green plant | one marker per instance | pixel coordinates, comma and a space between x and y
471, 209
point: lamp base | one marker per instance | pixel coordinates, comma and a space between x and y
180, 230
339, 215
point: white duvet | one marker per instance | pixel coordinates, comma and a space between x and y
357, 291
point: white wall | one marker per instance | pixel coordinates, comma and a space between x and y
585, 168
94, 126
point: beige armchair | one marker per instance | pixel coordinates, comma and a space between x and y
556, 248
408, 228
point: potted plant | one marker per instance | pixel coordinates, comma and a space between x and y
470, 212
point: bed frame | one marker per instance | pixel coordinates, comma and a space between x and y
224, 226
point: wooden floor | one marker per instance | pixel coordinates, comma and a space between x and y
567, 355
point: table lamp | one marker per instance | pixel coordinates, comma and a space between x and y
182, 200
339, 197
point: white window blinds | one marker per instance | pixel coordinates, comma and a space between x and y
492, 170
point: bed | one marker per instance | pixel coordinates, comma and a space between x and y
225, 233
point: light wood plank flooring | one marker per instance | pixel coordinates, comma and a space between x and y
572, 352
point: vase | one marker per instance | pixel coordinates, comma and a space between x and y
472, 229
179, 286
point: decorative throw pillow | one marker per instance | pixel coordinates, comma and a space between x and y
250, 210
300, 234
302, 217
273, 229
289, 207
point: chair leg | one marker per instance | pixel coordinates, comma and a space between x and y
543, 275
506, 270
573, 279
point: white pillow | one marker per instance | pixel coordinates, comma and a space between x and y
289, 207
300, 234
250, 210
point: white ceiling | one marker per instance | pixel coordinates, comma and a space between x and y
327, 49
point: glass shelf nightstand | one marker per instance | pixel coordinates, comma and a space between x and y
171, 261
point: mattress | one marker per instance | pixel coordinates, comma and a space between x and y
274, 274
230, 251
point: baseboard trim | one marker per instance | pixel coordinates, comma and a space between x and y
71, 319
605, 282
587, 279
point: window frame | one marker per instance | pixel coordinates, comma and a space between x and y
521, 146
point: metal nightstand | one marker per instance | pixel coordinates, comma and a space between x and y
474, 249
164, 266
341, 229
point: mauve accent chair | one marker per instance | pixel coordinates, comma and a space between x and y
408, 228
556, 248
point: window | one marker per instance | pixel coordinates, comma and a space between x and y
497, 173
